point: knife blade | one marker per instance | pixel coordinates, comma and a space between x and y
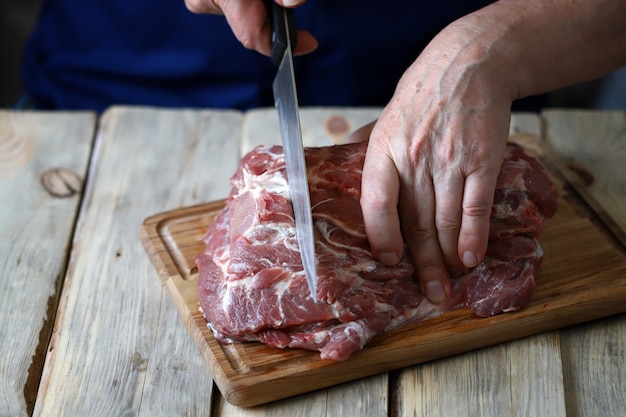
286, 102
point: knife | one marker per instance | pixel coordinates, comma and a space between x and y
286, 101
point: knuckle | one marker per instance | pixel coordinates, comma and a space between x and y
247, 40
416, 233
200, 6
477, 209
192, 6
250, 37
447, 224
377, 203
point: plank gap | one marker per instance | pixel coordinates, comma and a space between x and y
35, 369
46, 334
395, 399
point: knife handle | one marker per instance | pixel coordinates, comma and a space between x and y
283, 30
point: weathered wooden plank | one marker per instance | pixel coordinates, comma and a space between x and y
525, 123
119, 347
593, 146
594, 363
519, 378
594, 355
366, 397
320, 126
522, 377
36, 228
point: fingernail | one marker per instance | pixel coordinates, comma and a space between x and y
388, 258
435, 292
469, 259
291, 3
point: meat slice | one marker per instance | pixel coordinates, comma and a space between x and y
252, 286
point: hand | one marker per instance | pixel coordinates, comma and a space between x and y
249, 22
433, 159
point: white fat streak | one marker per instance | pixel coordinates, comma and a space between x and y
523, 167
282, 232
326, 229
227, 296
322, 202
221, 258
270, 181
280, 288
321, 336
358, 327
502, 211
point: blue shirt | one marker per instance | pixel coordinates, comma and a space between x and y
97, 53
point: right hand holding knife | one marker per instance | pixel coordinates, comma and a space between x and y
250, 23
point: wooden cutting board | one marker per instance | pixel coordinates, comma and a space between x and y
583, 277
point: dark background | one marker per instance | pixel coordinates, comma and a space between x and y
18, 17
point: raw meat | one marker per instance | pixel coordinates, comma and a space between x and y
252, 286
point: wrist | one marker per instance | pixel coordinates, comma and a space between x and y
536, 46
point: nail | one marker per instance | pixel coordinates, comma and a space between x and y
435, 292
388, 258
469, 259
291, 3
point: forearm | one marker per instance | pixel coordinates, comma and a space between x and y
536, 46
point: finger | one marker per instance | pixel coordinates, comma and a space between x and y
203, 7
417, 211
306, 43
476, 213
379, 202
290, 3
448, 199
248, 21
362, 134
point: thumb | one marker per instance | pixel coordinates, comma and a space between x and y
362, 134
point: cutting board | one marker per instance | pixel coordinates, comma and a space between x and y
583, 277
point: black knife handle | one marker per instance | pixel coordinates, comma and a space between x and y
281, 19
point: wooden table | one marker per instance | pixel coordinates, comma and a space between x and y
87, 329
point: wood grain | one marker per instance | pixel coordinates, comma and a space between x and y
17, 143
594, 142
36, 230
515, 378
358, 398
592, 145
261, 126
251, 373
120, 348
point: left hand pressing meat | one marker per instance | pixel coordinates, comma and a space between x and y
432, 163
436, 150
